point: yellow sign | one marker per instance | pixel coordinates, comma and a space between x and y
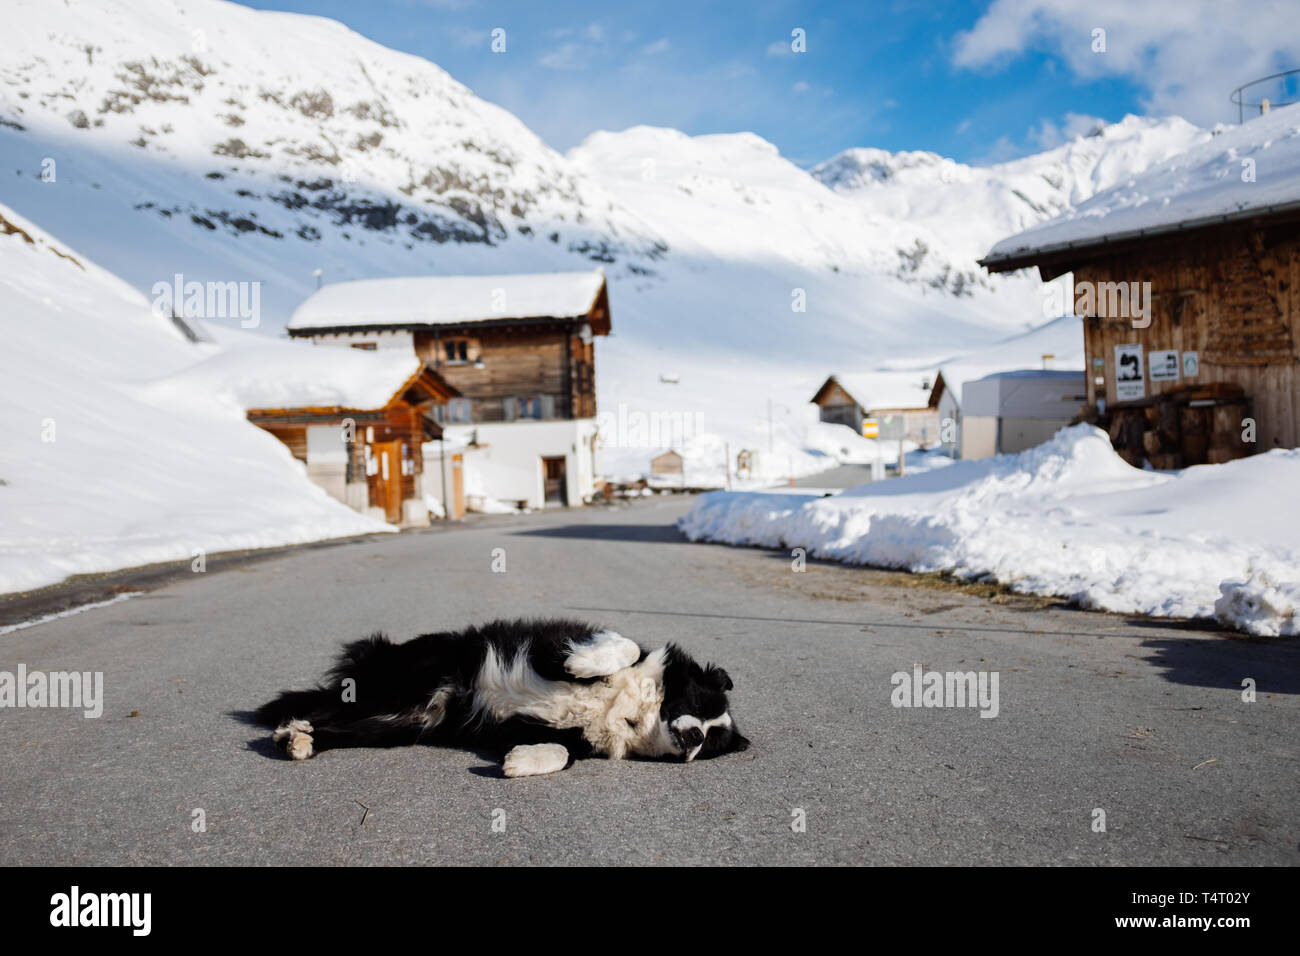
870, 428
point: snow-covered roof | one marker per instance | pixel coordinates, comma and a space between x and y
883, 389
285, 375
449, 300
1250, 170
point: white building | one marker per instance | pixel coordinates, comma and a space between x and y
1011, 411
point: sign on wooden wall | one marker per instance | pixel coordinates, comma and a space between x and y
1164, 366
1130, 384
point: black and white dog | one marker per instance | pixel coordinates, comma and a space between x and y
538, 691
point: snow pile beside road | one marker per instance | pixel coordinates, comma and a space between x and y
1260, 606
1068, 518
103, 465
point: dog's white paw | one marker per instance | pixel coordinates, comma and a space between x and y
296, 737
606, 653
299, 746
529, 760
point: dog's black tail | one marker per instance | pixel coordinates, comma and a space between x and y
356, 661
290, 704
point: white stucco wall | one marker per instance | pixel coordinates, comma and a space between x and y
507, 464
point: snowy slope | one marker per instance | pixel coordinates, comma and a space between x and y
107, 461
1068, 518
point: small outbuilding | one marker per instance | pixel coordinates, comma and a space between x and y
1011, 411
668, 465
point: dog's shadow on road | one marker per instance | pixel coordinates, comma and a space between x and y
261, 744
1272, 663
266, 747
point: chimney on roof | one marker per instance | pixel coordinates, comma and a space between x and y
1048, 358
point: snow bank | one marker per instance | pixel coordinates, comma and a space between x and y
1260, 606
109, 459
1068, 518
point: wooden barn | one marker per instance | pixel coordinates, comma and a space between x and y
519, 350
852, 399
670, 464
361, 436
1188, 283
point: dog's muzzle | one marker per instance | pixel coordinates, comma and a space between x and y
688, 741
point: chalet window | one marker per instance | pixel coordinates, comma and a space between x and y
365, 346
457, 411
456, 350
529, 407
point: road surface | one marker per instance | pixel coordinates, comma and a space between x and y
1142, 720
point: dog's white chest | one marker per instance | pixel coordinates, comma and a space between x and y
618, 714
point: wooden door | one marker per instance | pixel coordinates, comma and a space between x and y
388, 480
556, 482
457, 486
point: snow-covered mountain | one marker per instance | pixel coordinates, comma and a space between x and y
925, 189
204, 138
238, 144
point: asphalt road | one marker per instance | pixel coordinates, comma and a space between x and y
1140, 719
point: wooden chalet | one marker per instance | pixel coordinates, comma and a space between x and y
845, 400
370, 458
1188, 283
518, 349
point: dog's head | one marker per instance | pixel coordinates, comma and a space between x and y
695, 711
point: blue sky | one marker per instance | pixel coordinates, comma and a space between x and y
979, 82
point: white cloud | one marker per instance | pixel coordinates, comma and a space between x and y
1186, 55
801, 87
779, 48
659, 46
595, 32
566, 56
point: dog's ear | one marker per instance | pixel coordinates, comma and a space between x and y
739, 742
720, 678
